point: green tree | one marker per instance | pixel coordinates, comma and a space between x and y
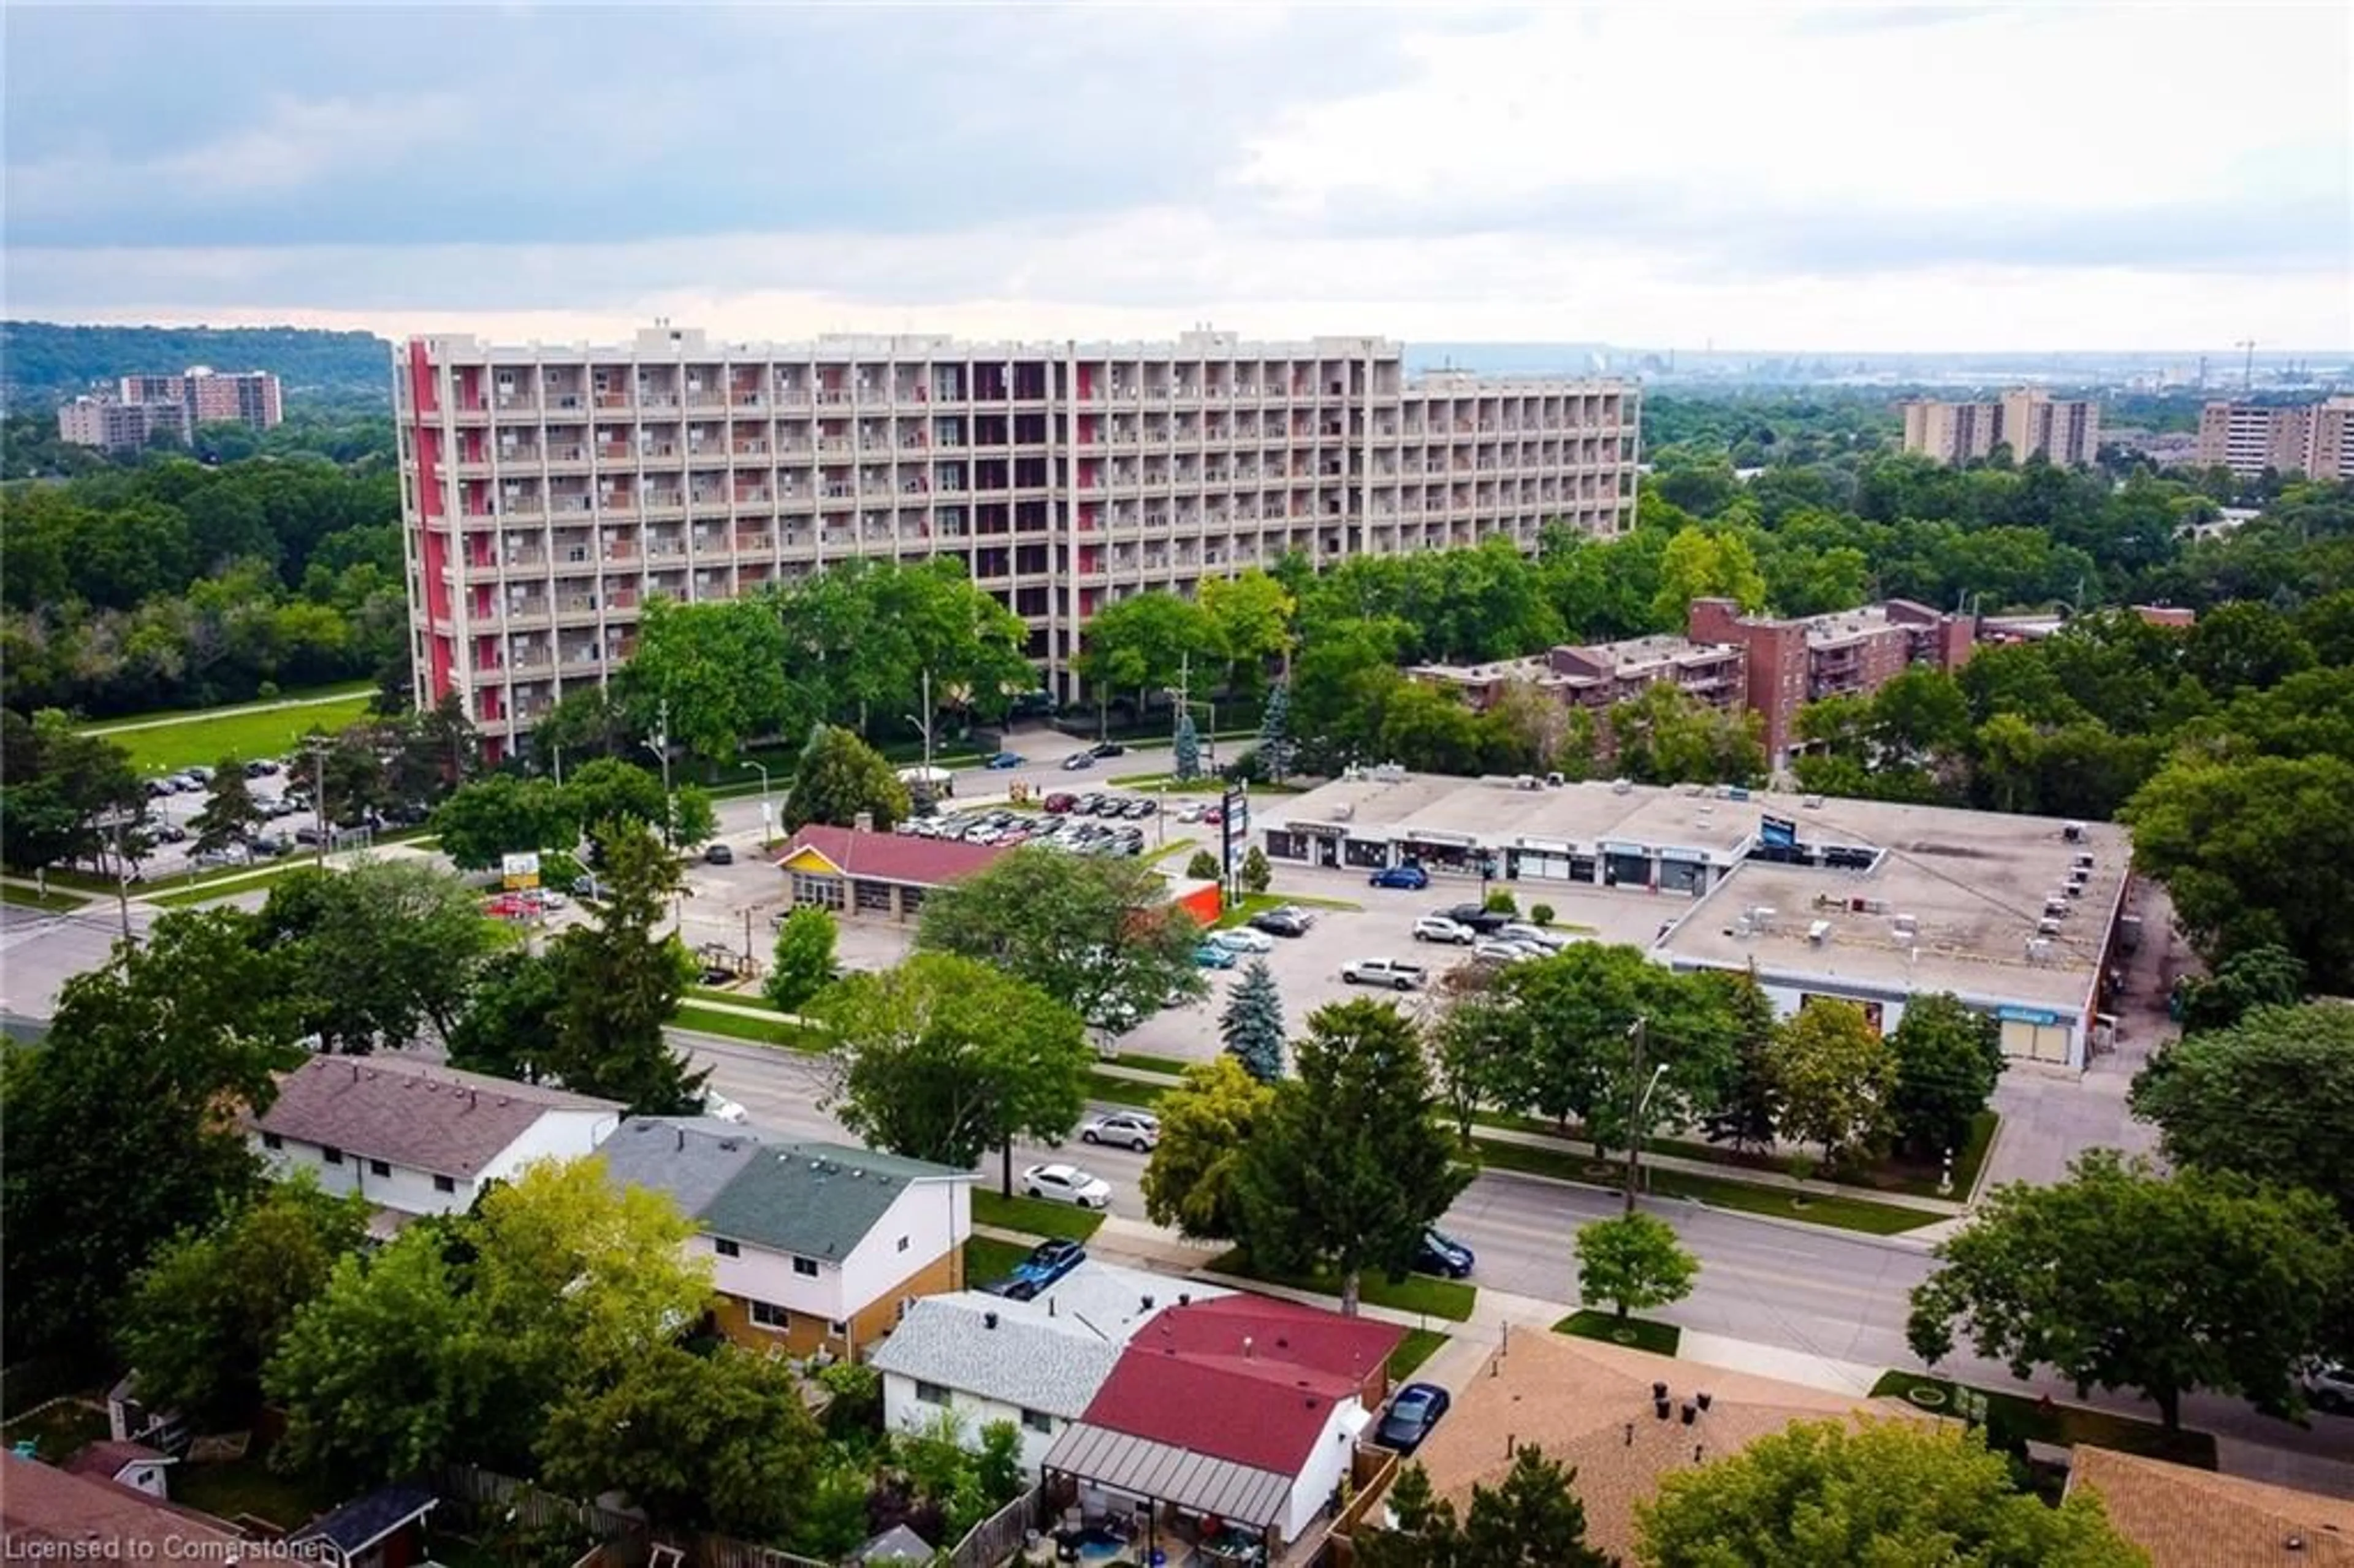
1206, 1124
508, 1028
1478, 1041
1275, 748
207, 1313
1350, 1166
2118, 1277
1187, 749
2253, 854
618, 981
1250, 617
59, 791
1666, 736
718, 669
228, 815
1948, 1057
1750, 1101
839, 778
2244, 644
612, 790
1251, 1027
1144, 643
1882, 1492
1256, 872
1531, 1520
1204, 867
946, 1057
1704, 562
376, 953
2271, 1098
1097, 935
1834, 1077
692, 820
123, 1126
2265, 976
1633, 1262
1424, 1532
502, 814
802, 964
722, 1441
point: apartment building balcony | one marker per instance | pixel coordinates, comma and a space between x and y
576, 608
526, 612
611, 400
745, 398
649, 399
791, 397
662, 502
523, 505
706, 400
666, 549
539, 663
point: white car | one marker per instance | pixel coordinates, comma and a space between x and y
1384, 973
719, 1108
1135, 1129
1501, 951
2331, 1389
1066, 1184
1190, 811
1535, 936
1440, 928
1242, 939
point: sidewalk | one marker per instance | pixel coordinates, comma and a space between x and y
1778, 1181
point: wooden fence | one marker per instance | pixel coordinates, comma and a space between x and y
999, 1536
625, 1541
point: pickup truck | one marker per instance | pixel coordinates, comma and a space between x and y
1388, 972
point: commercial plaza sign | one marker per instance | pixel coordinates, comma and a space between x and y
520, 871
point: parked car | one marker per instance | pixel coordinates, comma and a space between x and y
259, 768
271, 843
1078, 761
170, 833
1190, 811
1212, 956
719, 1108
1242, 939
1384, 973
1282, 923
1536, 936
1132, 1129
1060, 803
1047, 1262
507, 906
1441, 928
718, 854
1499, 951
1442, 1255
2330, 1388
1479, 918
1409, 876
1410, 1417
1107, 748
1066, 1184
1004, 760
201, 775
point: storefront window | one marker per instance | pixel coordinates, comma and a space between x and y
824, 892
1367, 854
1281, 845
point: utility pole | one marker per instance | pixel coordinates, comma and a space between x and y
121, 880
318, 750
1637, 1036
659, 744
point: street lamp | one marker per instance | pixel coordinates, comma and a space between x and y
768, 813
1638, 1035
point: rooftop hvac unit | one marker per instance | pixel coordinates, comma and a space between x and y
1622, 785
2047, 928
1345, 811
1812, 802
2039, 948
2075, 890
2084, 860
1763, 916
2073, 832
2054, 908
1820, 932
1906, 926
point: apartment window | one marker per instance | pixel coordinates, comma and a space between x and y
766, 1316
272, 1141
806, 1268
903, 1243
931, 1392
727, 1248
331, 1154
445, 1184
379, 1168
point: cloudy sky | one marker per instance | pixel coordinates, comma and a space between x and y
1835, 178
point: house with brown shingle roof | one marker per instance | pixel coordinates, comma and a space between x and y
416, 1138
1623, 1419
2197, 1518
53, 1514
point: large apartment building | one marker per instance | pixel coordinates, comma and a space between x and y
548, 492
125, 416
2066, 431
2316, 439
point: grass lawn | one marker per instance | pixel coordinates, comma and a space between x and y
1418, 1346
1423, 1293
1034, 1217
1260, 902
987, 1259
1124, 1091
752, 998
55, 900
59, 1433
1173, 1065
249, 1486
1208, 784
736, 1026
1817, 1206
1641, 1333
2016, 1415
1170, 850
162, 742
1893, 1176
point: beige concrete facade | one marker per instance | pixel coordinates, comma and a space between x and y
548, 492
2316, 439
2066, 431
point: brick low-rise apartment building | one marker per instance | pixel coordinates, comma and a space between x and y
1732, 661
127, 415
548, 492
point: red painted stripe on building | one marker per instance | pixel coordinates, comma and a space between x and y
432, 548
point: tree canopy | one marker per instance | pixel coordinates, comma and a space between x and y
1207, 1123
839, 779
2271, 1098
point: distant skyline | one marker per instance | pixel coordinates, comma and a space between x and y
1778, 179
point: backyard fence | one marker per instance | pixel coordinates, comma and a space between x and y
999, 1536
626, 1541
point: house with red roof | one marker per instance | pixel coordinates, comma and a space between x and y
1228, 1420
852, 872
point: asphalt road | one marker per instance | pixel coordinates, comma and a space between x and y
1801, 1288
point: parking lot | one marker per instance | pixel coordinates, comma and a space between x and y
170, 812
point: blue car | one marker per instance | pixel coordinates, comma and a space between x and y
1210, 956
1442, 1255
1047, 1262
1004, 759
1406, 876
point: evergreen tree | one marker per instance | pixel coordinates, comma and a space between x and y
841, 775
1189, 749
1275, 749
1750, 1109
618, 981
1252, 1025
229, 815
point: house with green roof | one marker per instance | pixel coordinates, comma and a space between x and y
820, 1246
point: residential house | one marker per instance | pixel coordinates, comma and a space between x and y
1037, 1364
1236, 1415
132, 1464
2198, 1519
814, 1247
48, 1513
1622, 1418
416, 1139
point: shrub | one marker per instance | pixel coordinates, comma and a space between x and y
1203, 866
1502, 902
1256, 872
1541, 913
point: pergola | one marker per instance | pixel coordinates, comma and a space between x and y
1159, 1473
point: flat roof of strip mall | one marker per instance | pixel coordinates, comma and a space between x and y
1974, 882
